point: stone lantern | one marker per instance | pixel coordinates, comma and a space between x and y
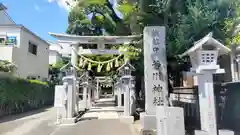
125, 72
204, 55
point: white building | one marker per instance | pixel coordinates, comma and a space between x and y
54, 53
4, 17
23, 48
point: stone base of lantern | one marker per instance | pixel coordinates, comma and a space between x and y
82, 105
68, 121
148, 122
221, 132
148, 132
127, 119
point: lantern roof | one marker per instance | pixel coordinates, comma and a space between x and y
127, 64
207, 40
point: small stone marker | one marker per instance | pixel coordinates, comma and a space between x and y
59, 96
170, 121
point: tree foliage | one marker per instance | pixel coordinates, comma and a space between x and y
6, 66
99, 17
185, 21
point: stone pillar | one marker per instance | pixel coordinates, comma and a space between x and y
126, 118
77, 97
75, 103
126, 96
60, 101
74, 59
235, 76
74, 55
64, 111
132, 97
85, 96
207, 103
70, 103
155, 74
89, 102
119, 96
97, 90
70, 99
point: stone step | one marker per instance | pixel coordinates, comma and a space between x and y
101, 115
106, 109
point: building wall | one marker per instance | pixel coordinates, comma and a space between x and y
30, 64
11, 52
6, 53
4, 18
54, 57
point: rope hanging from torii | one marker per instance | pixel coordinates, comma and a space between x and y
109, 63
84, 60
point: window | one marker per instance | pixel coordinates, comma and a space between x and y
12, 40
32, 48
2, 40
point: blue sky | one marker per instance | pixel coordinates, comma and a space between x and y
40, 16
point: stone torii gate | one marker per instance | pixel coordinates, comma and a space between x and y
74, 41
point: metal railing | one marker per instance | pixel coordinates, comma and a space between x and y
7, 44
186, 97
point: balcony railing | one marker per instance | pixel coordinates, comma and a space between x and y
7, 43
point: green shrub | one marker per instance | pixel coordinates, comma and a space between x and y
20, 95
37, 82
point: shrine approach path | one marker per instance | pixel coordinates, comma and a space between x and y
42, 123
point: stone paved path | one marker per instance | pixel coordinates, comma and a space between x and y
96, 127
105, 123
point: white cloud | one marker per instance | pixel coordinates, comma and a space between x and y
66, 4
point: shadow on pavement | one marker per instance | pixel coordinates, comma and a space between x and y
21, 115
80, 114
87, 118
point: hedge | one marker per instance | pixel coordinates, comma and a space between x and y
21, 95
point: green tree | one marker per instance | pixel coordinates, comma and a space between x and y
104, 21
185, 21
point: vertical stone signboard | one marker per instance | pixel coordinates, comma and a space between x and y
155, 68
